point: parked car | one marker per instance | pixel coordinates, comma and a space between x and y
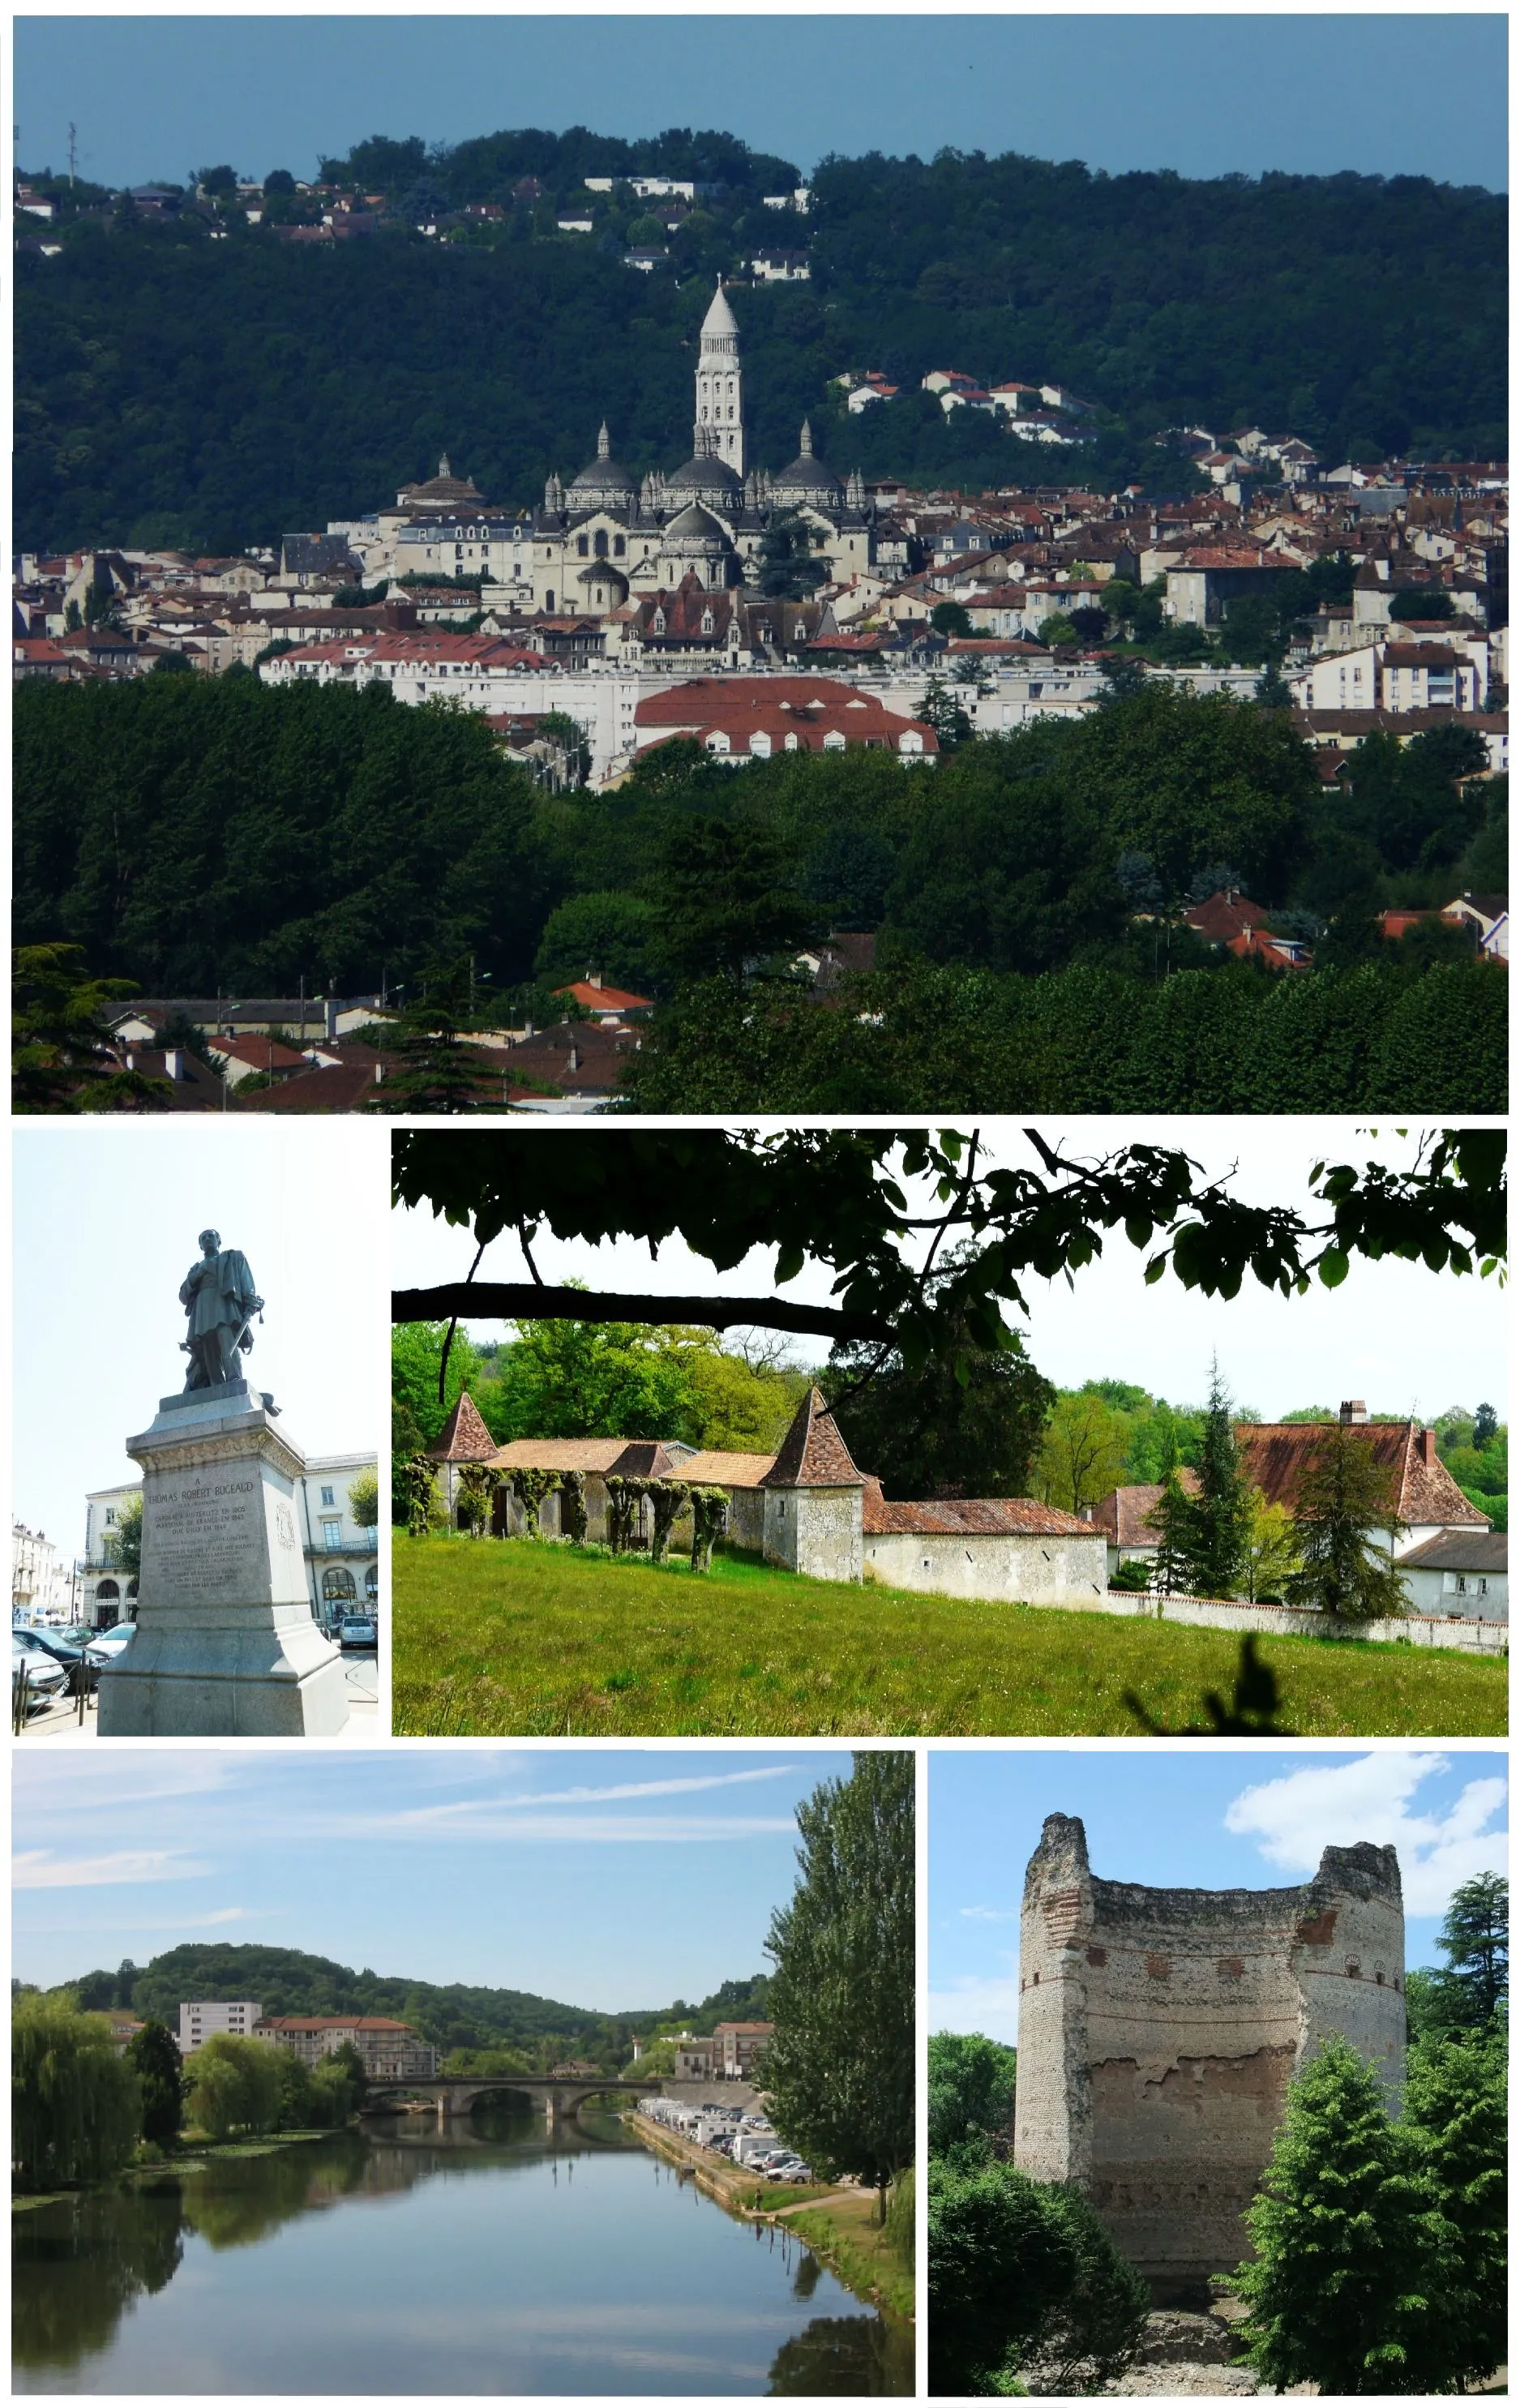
45, 1675
358, 1630
107, 1646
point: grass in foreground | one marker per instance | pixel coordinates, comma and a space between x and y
496, 1637
846, 2232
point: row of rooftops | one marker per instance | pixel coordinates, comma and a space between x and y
813, 1454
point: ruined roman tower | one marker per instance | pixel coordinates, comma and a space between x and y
1158, 2029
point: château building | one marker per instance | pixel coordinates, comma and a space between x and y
604, 544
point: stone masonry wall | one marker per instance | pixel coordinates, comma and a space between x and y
814, 1530
1015, 1567
1158, 2031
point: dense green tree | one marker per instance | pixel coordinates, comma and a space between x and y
731, 896
791, 563
416, 1353
1344, 1496
1206, 1532
60, 1057
1083, 1452
364, 1500
971, 2087
234, 2085
941, 708
207, 833
153, 2055
1023, 2279
436, 1069
1466, 1994
1454, 2107
838, 2068
612, 936
965, 1427
1357, 2265
76, 2106
951, 619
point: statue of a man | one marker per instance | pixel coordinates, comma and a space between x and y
219, 1302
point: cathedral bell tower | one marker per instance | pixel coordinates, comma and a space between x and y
720, 388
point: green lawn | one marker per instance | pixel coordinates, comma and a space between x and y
496, 1637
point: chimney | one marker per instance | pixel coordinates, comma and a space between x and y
174, 1064
1353, 1410
1428, 1449
380, 1072
330, 1015
1085, 1512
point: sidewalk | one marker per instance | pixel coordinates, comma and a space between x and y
59, 1721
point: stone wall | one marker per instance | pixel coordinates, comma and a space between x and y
1158, 2031
814, 1530
1024, 1570
1467, 1635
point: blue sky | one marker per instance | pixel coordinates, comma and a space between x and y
104, 1219
1206, 94
1405, 1338
609, 1879
1187, 1817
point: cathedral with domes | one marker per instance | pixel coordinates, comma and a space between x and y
604, 544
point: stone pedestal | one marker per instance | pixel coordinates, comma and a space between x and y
226, 1646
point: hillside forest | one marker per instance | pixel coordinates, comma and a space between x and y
202, 383
479, 2030
1026, 894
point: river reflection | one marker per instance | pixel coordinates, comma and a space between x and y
489, 2257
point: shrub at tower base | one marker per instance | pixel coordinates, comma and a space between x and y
1022, 2276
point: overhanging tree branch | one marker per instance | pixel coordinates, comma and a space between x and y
495, 1300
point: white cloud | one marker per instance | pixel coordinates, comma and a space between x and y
1334, 1805
990, 1914
477, 1809
39, 1868
980, 2003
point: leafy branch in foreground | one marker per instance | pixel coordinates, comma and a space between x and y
843, 1197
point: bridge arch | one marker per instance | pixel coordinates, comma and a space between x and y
455, 2095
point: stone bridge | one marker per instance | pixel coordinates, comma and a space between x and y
456, 2095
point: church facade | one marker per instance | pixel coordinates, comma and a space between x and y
604, 547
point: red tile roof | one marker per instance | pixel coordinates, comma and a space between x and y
968, 1517
463, 1437
1124, 1514
812, 1454
597, 997
1273, 1455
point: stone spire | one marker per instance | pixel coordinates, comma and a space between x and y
806, 450
444, 469
854, 491
604, 444
719, 387
553, 492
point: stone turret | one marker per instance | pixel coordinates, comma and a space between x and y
1158, 2031
812, 1498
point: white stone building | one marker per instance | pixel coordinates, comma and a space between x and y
42, 1581
200, 2019
343, 1557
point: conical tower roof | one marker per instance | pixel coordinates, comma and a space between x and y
719, 319
812, 1454
463, 1437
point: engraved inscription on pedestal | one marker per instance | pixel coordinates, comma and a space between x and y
201, 1534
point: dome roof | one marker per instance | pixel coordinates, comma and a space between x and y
705, 478
604, 484
694, 529
806, 478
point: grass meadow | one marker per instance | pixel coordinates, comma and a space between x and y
532, 1639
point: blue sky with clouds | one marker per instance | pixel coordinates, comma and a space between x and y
611, 1879
1187, 1817
1206, 94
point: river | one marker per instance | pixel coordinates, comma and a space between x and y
488, 2257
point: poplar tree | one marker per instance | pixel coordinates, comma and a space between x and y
839, 2068
1206, 1536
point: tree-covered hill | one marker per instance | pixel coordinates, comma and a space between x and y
212, 394
291, 1981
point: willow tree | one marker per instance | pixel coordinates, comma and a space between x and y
76, 2105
